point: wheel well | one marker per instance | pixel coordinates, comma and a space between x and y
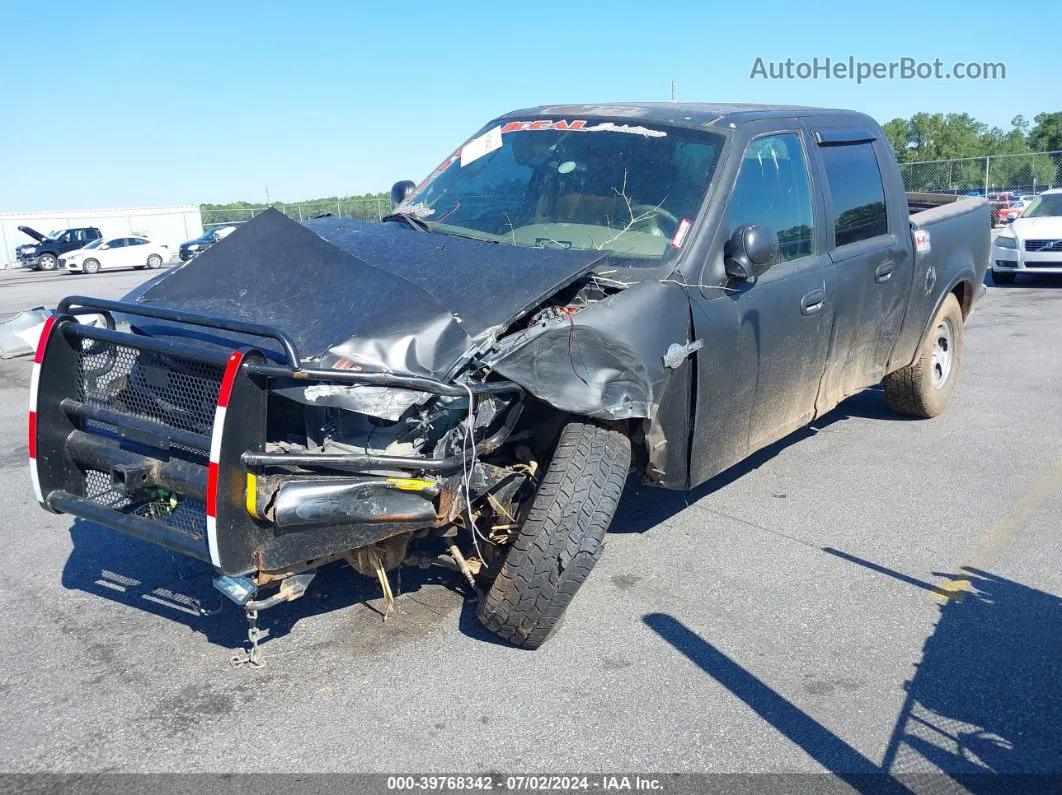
963, 292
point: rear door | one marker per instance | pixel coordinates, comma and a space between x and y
869, 245
136, 252
114, 255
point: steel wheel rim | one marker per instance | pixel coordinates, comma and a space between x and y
943, 356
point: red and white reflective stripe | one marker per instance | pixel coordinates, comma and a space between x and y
224, 394
35, 378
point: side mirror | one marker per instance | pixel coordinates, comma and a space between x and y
400, 191
104, 247
750, 251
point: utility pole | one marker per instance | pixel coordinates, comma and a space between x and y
267, 195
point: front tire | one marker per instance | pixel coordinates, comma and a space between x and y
925, 388
47, 262
91, 266
562, 537
1003, 277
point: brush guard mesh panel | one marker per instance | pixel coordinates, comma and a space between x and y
171, 390
181, 393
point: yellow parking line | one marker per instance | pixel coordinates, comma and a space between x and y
993, 541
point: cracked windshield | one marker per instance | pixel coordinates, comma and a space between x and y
621, 188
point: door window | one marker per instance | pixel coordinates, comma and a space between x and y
854, 181
773, 190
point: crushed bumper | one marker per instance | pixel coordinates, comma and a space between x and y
134, 433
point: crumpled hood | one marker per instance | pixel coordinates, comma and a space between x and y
383, 295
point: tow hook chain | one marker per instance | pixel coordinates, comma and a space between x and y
253, 657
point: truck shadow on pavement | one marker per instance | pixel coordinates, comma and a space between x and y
149, 578
984, 699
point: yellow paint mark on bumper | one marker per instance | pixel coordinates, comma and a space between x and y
252, 495
410, 484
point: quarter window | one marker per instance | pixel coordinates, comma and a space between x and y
854, 180
773, 190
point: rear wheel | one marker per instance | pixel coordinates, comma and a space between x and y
925, 388
1003, 277
154, 261
562, 537
47, 262
91, 266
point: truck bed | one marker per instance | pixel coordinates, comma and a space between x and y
917, 202
957, 245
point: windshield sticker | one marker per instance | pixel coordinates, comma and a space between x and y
581, 125
483, 145
626, 128
680, 234
544, 124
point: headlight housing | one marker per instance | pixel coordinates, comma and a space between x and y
1006, 241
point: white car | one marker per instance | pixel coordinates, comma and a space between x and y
115, 252
1032, 243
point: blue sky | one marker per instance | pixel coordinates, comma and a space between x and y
137, 103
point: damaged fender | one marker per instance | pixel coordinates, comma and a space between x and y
608, 361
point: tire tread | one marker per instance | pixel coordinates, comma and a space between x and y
562, 537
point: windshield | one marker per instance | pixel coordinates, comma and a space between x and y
94, 244
629, 190
1044, 206
54, 235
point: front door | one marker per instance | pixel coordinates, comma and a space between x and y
766, 341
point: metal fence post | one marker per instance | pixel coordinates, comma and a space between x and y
988, 165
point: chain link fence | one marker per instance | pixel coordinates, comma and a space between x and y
1032, 172
365, 209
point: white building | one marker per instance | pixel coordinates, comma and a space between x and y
171, 225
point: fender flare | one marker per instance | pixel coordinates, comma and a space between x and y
966, 276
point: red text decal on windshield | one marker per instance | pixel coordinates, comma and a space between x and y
544, 124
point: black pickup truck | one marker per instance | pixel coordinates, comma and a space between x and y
576, 292
44, 254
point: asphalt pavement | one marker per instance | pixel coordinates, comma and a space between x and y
870, 594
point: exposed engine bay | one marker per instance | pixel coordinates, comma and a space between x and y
501, 440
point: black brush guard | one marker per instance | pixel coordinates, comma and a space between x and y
126, 436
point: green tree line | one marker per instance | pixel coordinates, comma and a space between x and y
365, 205
953, 136
978, 155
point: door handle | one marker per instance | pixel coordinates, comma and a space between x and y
812, 302
884, 272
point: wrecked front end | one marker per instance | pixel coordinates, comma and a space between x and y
265, 470
411, 437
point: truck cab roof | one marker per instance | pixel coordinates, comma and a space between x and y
695, 115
